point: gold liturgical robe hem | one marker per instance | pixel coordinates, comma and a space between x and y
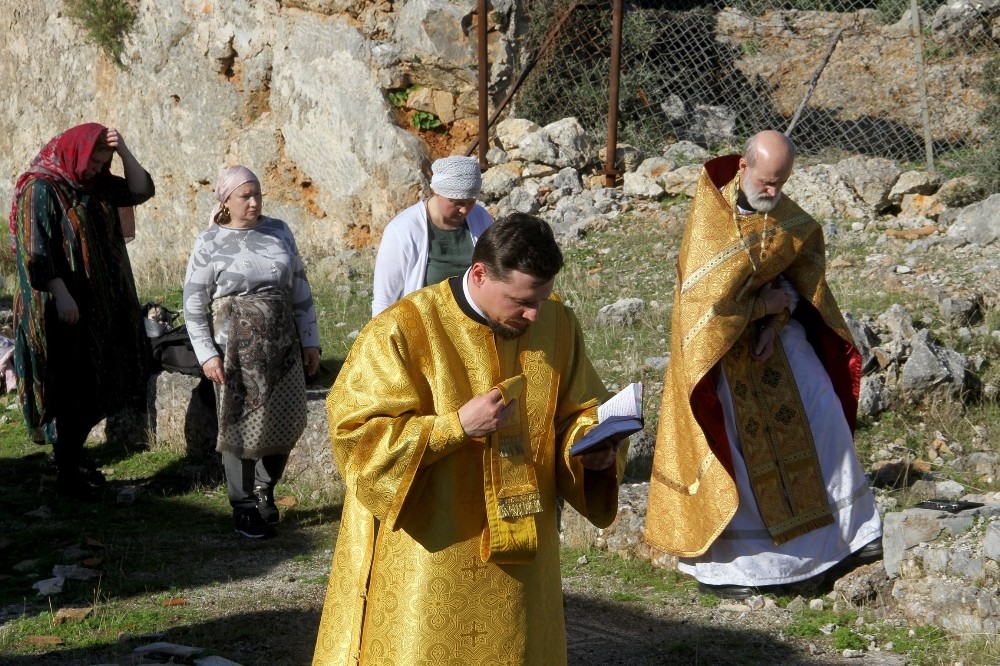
409, 584
723, 262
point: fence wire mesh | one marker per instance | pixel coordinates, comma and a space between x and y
715, 74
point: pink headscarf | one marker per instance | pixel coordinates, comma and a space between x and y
229, 179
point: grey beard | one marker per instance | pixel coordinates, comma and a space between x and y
761, 204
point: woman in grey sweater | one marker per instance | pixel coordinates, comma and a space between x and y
250, 316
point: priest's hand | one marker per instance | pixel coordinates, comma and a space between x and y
484, 414
775, 297
764, 346
602, 457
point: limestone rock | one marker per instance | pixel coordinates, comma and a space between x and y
247, 82
511, 131
499, 180
873, 398
627, 158
898, 321
863, 584
864, 339
872, 178
821, 192
686, 152
914, 182
976, 223
682, 180
638, 185
622, 312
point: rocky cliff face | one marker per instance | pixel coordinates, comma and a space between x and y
295, 90
298, 91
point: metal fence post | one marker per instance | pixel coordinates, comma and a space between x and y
610, 174
918, 45
484, 67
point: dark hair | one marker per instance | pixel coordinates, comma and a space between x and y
519, 242
102, 141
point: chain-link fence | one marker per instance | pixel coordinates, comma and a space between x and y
852, 76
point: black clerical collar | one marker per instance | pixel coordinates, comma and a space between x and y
458, 291
742, 202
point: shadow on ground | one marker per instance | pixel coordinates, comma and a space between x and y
598, 633
170, 538
601, 633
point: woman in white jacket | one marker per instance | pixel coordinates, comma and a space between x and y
432, 240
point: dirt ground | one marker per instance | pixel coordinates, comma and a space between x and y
261, 605
684, 632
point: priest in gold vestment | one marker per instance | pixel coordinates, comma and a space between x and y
451, 421
755, 480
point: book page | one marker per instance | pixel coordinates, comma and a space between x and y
627, 402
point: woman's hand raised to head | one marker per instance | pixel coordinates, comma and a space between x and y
115, 141
138, 180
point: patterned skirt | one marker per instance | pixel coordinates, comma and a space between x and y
262, 403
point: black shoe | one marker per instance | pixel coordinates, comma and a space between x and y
250, 524
265, 505
70, 484
728, 591
870, 552
91, 472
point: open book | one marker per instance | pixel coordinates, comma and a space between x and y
620, 416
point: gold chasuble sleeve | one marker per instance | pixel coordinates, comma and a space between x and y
448, 550
724, 260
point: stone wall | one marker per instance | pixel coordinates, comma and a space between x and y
180, 417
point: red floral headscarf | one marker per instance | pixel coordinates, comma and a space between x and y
65, 157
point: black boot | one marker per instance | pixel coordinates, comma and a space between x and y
71, 484
91, 472
265, 504
78, 476
250, 524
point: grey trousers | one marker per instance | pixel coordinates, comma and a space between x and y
245, 474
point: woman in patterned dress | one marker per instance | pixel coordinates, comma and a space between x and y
250, 316
81, 352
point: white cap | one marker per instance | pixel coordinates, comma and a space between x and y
456, 177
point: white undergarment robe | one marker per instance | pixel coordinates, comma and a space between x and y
744, 553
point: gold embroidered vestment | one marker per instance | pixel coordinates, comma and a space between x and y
448, 550
724, 260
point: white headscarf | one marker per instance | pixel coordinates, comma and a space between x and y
456, 177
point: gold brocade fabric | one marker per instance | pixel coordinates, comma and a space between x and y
409, 584
510, 482
776, 442
723, 262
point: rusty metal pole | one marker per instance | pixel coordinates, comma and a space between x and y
484, 67
918, 47
610, 174
551, 37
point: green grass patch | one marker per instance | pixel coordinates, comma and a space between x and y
322, 581
809, 623
642, 580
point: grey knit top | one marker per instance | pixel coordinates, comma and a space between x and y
238, 262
